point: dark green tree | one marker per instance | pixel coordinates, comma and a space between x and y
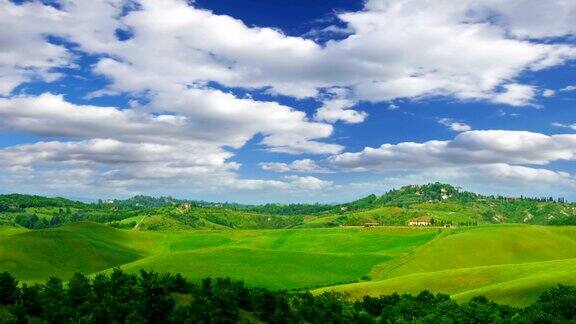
31, 301
79, 295
156, 303
9, 292
53, 299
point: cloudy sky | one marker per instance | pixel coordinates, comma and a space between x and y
289, 100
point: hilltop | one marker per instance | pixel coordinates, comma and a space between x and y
449, 204
436, 203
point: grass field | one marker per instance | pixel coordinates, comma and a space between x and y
509, 264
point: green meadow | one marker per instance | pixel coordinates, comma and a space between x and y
507, 263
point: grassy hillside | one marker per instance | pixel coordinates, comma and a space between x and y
489, 245
511, 264
514, 284
308, 258
283, 259
447, 204
263, 268
508, 263
37, 255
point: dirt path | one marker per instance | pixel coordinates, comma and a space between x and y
138, 224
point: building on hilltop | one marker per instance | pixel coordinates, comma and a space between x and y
422, 221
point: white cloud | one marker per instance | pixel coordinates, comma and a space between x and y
492, 154
128, 168
337, 105
562, 125
25, 54
453, 125
308, 183
533, 18
448, 49
339, 109
515, 95
289, 183
51, 115
205, 116
548, 93
468, 148
234, 121
514, 173
303, 166
131, 149
184, 133
569, 88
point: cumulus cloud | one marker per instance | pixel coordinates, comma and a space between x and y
496, 154
303, 166
399, 49
130, 167
515, 95
177, 58
568, 88
467, 148
454, 125
339, 109
204, 116
563, 125
548, 93
51, 115
25, 54
233, 121
131, 148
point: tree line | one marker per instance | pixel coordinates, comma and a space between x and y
150, 297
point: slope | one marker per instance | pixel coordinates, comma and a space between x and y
82, 247
510, 264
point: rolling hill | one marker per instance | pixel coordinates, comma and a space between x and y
508, 263
438, 203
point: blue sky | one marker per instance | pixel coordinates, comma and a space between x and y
259, 101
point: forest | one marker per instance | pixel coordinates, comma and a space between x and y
151, 297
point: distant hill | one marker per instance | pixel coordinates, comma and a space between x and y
431, 193
15, 201
438, 200
435, 203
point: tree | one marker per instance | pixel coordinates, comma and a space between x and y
4, 207
79, 294
53, 297
8, 289
30, 299
156, 302
559, 303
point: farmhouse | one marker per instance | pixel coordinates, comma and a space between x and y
422, 221
370, 224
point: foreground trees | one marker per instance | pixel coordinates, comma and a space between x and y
163, 298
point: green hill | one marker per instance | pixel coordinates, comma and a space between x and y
447, 204
513, 284
511, 264
307, 258
438, 203
508, 263
88, 248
